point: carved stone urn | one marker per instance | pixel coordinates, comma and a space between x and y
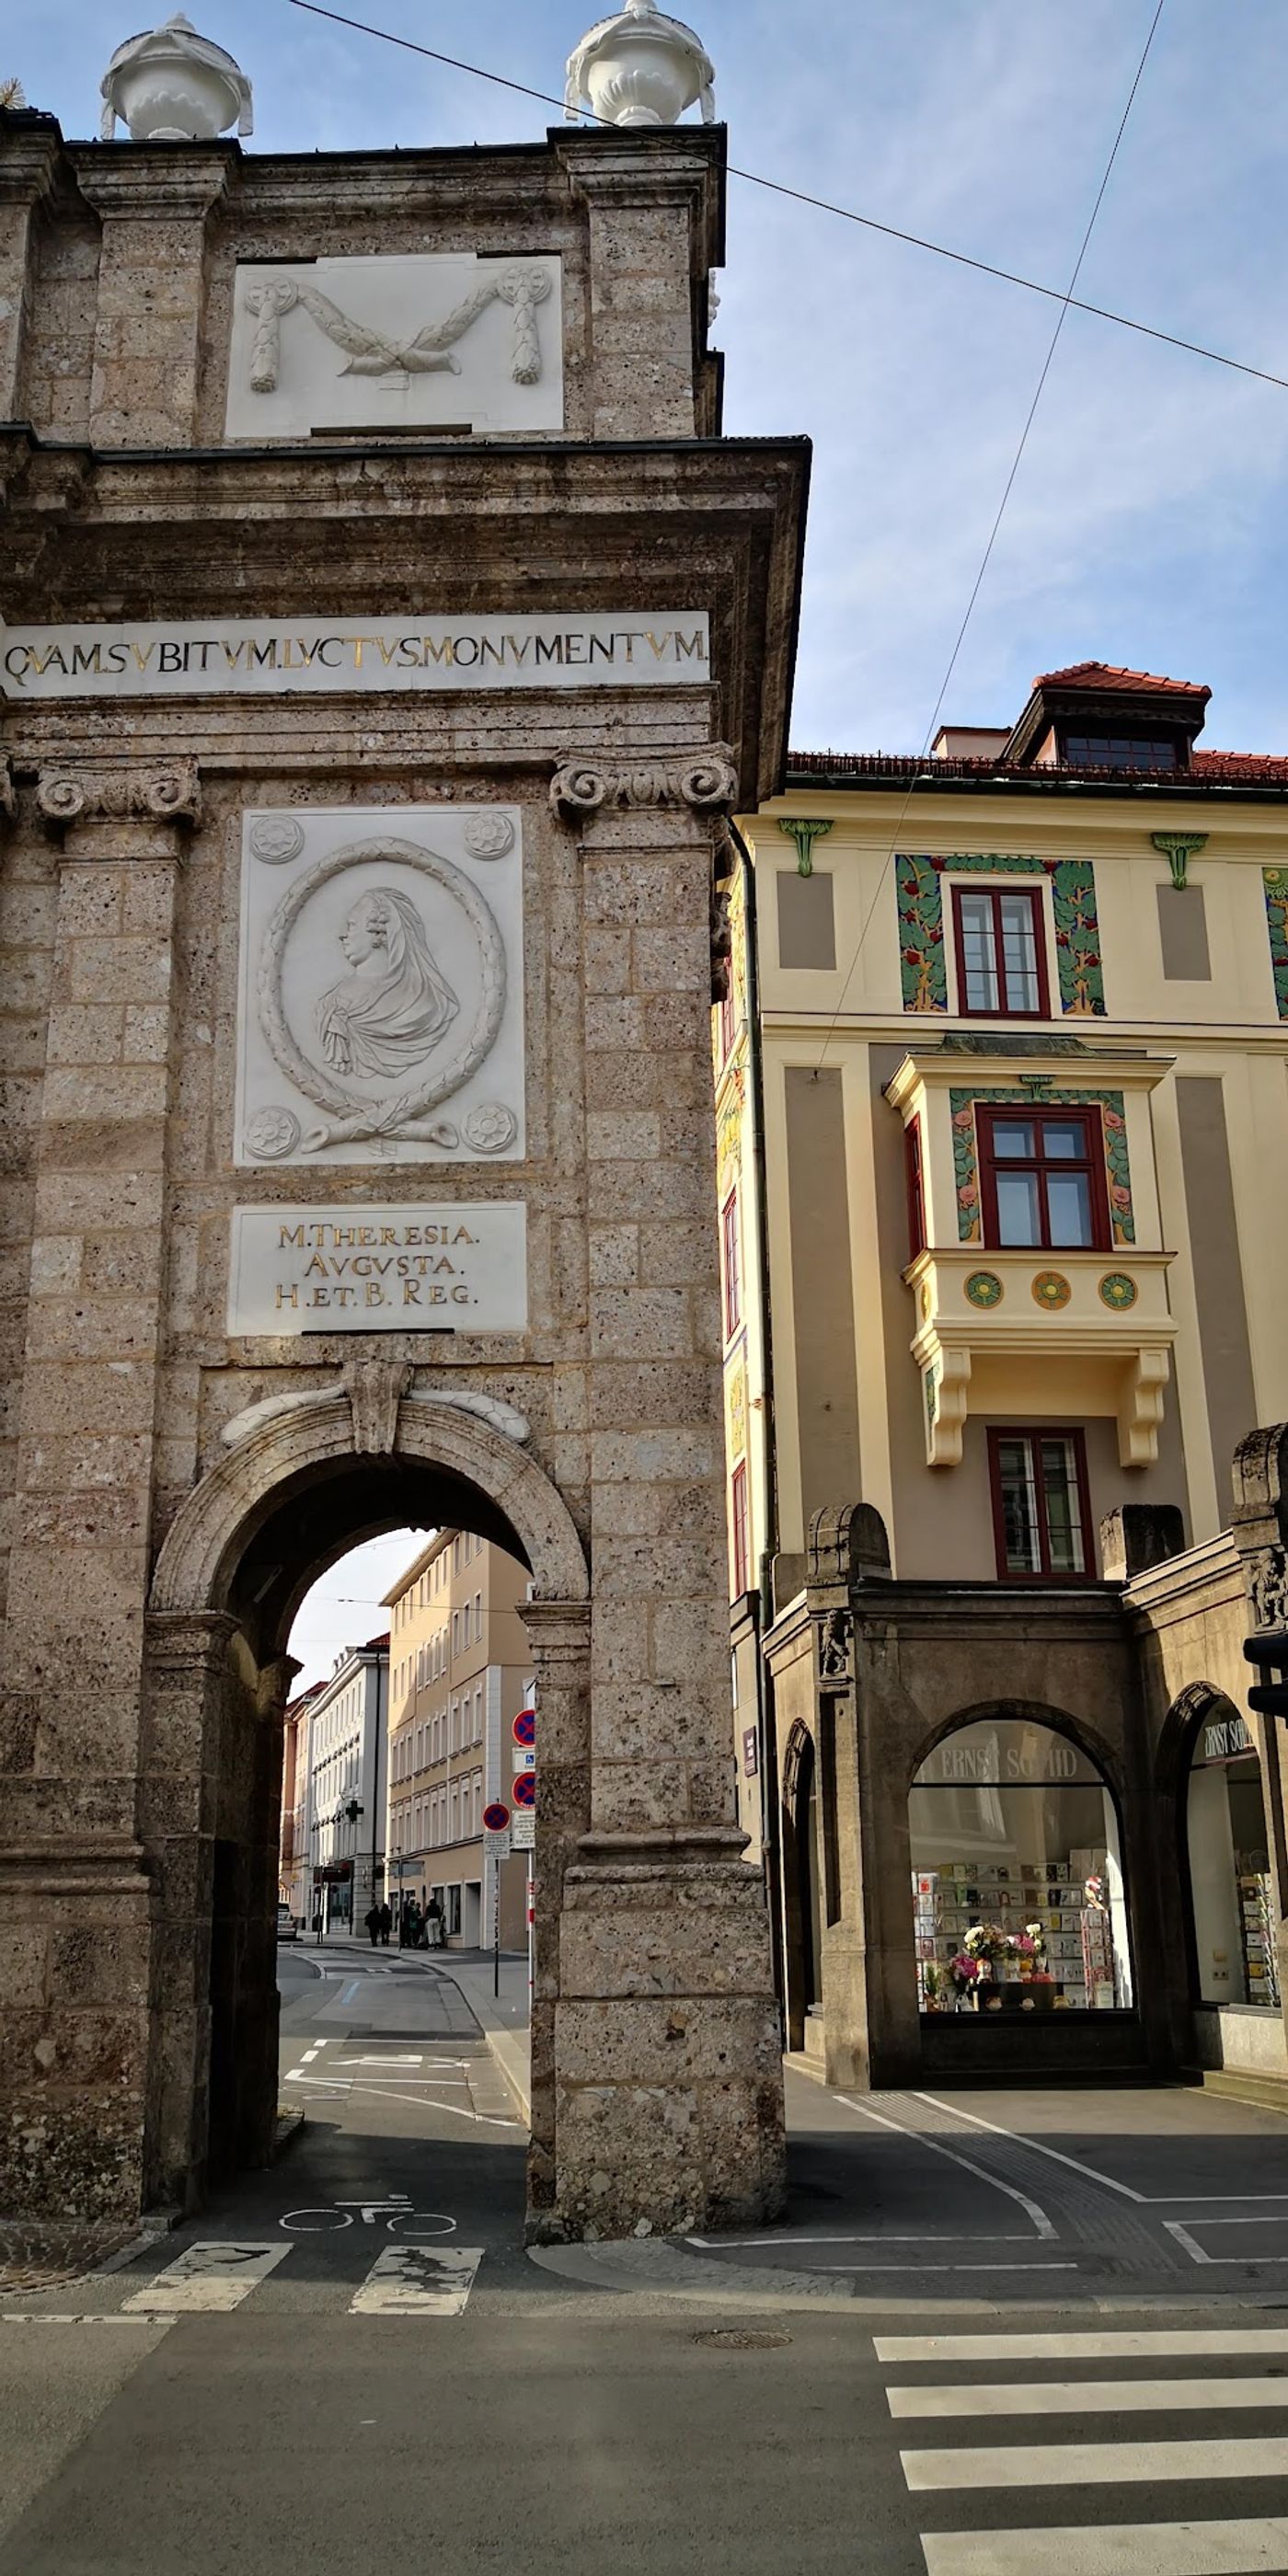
174, 86
639, 68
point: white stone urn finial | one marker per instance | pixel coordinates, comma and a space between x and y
174, 86
639, 68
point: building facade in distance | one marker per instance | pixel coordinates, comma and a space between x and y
334, 1772
460, 1671
1005, 1127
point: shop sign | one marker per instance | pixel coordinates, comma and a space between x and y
1008, 1756
750, 1753
1225, 1738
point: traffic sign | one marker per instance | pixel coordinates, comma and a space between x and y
523, 1832
524, 1729
526, 1758
524, 1792
496, 1817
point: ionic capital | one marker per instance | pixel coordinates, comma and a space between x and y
80, 793
706, 781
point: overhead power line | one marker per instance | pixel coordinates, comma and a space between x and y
828, 206
985, 559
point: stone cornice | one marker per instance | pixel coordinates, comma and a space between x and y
152, 183
31, 160
167, 793
316, 526
705, 780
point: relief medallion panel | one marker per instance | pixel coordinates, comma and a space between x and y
438, 339
380, 997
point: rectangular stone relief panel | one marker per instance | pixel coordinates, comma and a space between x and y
436, 340
380, 991
439, 1266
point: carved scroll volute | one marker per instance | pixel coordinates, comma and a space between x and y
80, 793
706, 781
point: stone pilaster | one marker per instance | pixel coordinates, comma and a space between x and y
154, 207
79, 1564
667, 2057
641, 285
27, 171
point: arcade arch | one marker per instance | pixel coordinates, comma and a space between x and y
304, 1480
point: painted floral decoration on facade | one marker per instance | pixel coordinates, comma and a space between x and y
966, 1150
921, 925
1051, 1289
1275, 881
1118, 1291
984, 1288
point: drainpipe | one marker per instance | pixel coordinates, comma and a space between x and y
767, 1737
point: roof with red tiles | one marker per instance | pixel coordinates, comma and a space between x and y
1105, 676
1206, 769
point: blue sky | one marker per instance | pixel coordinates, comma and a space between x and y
1147, 525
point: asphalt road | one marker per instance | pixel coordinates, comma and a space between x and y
349, 2363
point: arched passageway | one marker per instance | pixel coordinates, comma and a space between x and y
304, 1480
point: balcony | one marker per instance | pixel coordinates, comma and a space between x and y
1041, 1333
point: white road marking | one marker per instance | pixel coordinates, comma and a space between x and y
1199, 2253
1041, 2222
1100, 2464
1139, 2343
418, 2280
953, 2267
788, 2237
1108, 2182
1088, 2397
215, 2277
1114, 2549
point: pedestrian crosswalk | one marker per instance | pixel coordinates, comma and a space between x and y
218, 2277
1216, 2372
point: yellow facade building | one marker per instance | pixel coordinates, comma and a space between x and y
459, 1672
1002, 1113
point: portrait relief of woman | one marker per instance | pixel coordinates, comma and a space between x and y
383, 1017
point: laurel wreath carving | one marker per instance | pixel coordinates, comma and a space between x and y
406, 1114
523, 288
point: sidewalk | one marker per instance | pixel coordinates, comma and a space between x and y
503, 2018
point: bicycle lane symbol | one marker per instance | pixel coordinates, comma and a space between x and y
395, 2211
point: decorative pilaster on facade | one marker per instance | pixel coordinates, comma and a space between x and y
155, 206
28, 180
641, 226
120, 793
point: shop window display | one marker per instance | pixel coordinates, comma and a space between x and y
1230, 1887
1017, 1879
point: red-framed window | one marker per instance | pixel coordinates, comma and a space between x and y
740, 1543
1041, 1506
726, 1020
916, 1188
732, 1269
1042, 1179
1001, 952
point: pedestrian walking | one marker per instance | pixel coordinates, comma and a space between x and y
372, 1921
404, 1923
386, 1926
434, 1924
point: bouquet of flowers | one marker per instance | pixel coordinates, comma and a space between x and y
966, 1973
987, 1943
1028, 1949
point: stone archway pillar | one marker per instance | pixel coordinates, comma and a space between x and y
667, 2055
185, 1676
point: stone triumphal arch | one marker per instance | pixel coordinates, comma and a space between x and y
368, 738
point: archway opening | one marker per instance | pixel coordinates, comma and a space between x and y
1018, 1889
1233, 1917
399, 1793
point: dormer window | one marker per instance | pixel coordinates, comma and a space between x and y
1119, 751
